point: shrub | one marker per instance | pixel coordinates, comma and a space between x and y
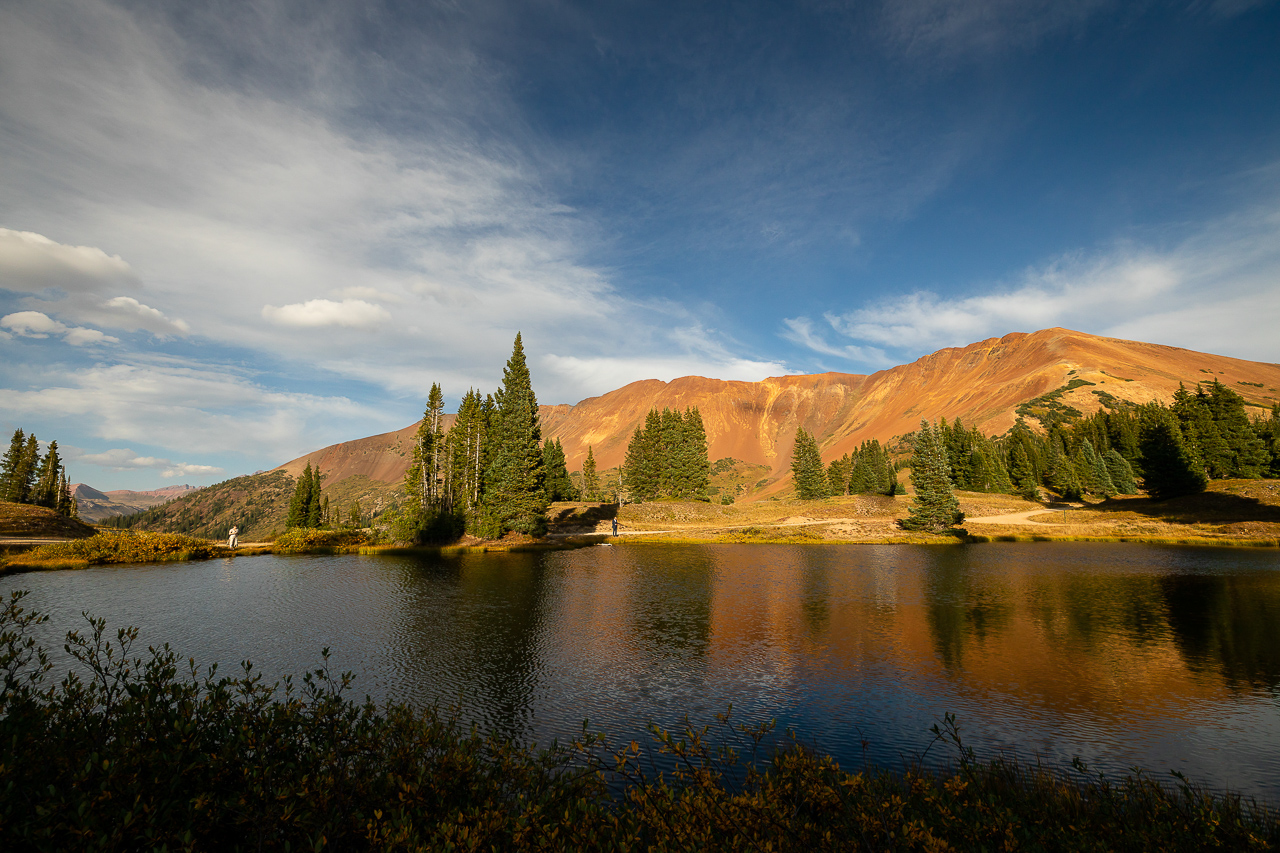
299, 539
121, 546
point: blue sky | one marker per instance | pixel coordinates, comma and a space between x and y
233, 232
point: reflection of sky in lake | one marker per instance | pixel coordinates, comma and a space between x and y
1157, 657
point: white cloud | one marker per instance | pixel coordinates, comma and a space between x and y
30, 263
33, 324
1216, 292
352, 313
194, 409
124, 459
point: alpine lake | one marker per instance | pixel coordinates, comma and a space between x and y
1159, 658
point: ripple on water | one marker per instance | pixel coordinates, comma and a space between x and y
1159, 657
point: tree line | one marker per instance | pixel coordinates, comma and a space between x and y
868, 470
1170, 449
490, 473
27, 477
667, 457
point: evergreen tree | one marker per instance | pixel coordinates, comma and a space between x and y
24, 478
45, 492
314, 513
1063, 476
467, 453
1023, 475
514, 491
838, 474
10, 468
355, 515
590, 480
694, 466
425, 484
1092, 471
559, 486
806, 467
299, 506
1120, 472
1169, 468
934, 507
640, 473
66, 501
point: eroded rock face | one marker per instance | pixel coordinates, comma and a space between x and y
756, 422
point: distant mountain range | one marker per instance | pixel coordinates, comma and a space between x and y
985, 384
94, 505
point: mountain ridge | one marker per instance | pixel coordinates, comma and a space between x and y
984, 383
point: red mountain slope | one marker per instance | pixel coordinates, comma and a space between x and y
757, 421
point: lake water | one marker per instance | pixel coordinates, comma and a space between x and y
1124, 655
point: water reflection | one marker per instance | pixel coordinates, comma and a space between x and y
1158, 657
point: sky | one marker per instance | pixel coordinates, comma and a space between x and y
235, 232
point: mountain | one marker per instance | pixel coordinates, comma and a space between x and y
985, 384
94, 505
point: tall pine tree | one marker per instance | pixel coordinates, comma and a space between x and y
514, 494
590, 479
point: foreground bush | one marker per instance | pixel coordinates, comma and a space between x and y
143, 752
121, 546
300, 539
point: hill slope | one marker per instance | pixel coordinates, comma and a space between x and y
984, 384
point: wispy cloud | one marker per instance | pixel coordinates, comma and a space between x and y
1214, 291
124, 459
33, 324
195, 409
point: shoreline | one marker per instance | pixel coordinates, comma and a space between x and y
14, 564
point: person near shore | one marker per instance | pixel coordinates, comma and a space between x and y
231, 537
615, 525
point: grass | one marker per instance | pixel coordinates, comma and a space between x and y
38, 522
149, 752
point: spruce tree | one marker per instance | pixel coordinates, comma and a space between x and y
559, 486
514, 494
10, 466
467, 459
934, 507
24, 479
45, 492
298, 506
1063, 476
696, 464
640, 471
807, 468
838, 474
315, 515
590, 480
1169, 468
1120, 472
1023, 475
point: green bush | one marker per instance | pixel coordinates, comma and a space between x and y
146, 752
300, 539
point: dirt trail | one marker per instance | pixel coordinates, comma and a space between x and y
1020, 517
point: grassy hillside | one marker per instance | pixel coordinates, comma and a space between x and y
37, 522
257, 503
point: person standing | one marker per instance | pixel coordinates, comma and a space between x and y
231, 537
615, 525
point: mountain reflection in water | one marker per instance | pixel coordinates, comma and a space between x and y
1150, 656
